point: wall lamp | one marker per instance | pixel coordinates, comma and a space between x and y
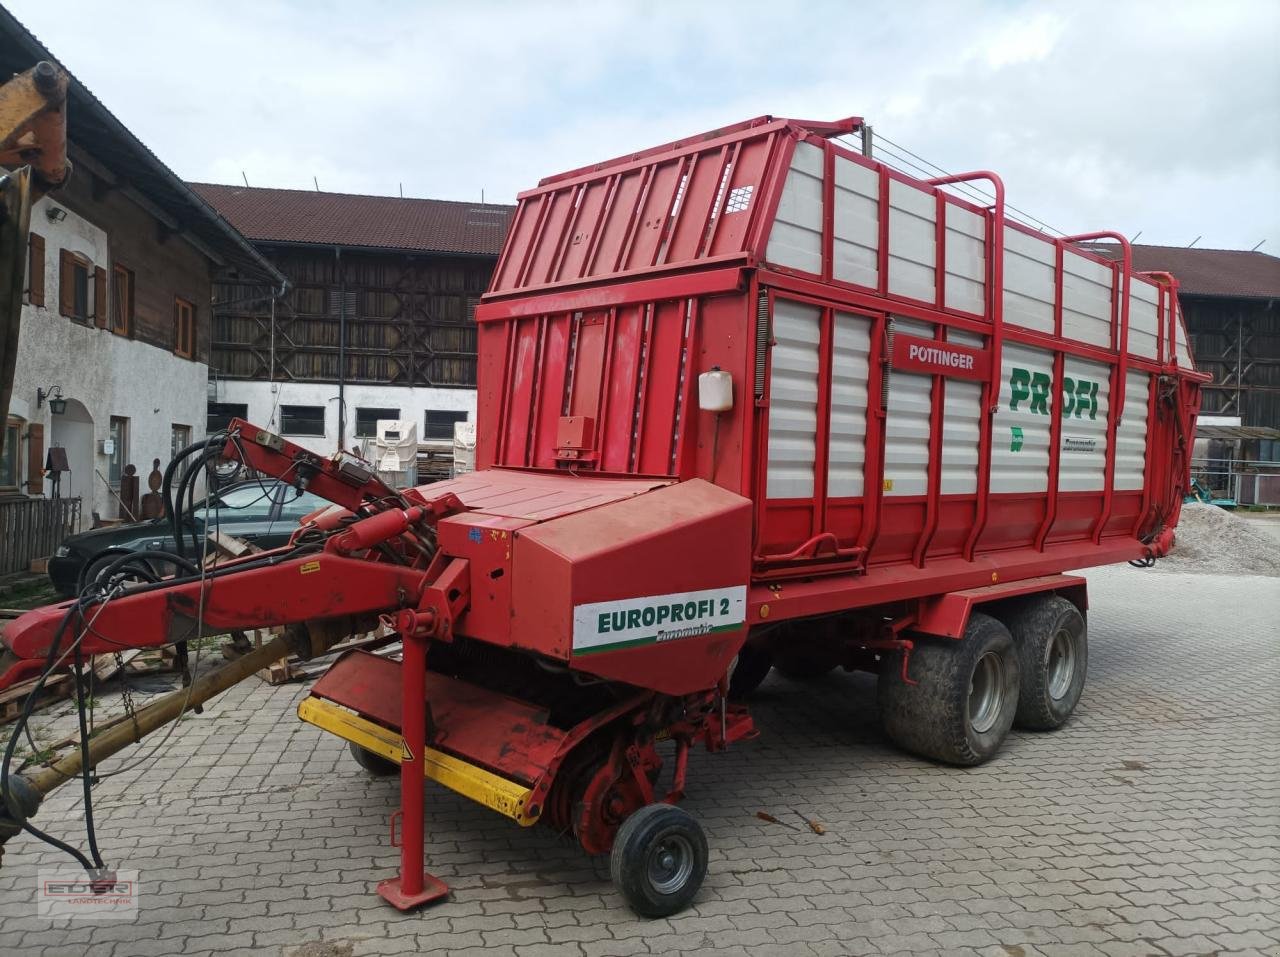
55, 214
57, 404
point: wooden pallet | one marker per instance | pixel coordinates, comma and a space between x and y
13, 699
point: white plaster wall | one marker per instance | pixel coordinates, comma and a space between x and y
265, 398
109, 374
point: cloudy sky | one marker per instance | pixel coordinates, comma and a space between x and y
1159, 117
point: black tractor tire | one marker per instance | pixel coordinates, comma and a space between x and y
659, 860
375, 764
1053, 660
94, 568
750, 668
960, 697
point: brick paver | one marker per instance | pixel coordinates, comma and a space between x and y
1149, 825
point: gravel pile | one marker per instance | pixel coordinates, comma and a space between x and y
1213, 541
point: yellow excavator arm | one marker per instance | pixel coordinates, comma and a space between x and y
33, 148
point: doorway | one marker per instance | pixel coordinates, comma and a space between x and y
73, 431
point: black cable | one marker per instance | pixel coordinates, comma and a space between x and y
104, 575
185, 512
85, 774
10, 801
166, 484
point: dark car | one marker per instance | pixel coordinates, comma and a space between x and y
265, 513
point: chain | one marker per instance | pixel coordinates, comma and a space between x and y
126, 692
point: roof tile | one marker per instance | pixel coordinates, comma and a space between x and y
345, 219
1229, 273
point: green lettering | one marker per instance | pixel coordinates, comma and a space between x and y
1068, 396
647, 616
633, 618
1040, 386
1019, 381
603, 625
663, 612
677, 613
1093, 400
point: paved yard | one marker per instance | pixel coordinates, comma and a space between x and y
1149, 825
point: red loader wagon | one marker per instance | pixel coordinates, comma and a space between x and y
746, 400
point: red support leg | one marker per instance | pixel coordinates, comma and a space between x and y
414, 887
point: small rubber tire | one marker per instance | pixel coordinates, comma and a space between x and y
375, 764
1053, 660
932, 714
659, 860
750, 668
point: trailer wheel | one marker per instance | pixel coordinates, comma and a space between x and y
750, 668
959, 699
375, 764
659, 860
1053, 660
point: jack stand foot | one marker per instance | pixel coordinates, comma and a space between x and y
433, 889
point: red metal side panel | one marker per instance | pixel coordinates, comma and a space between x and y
617, 225
520, 392
538, 496
661, 388
642, 249
590, 354
637, 238
555, 370
618, 415
734, 219
590, 208
697, 206
653, 211
660, 548
548, 242
519, 243
507, 736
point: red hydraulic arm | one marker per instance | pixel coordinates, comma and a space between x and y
376, 563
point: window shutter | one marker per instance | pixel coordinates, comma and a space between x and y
66, 283
100, 297
35, 265
35, 459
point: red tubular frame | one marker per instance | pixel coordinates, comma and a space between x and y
995, 298
1119, 372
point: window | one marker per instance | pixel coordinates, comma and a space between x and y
118, 457
35, 270
121, 300
438, 423
73, 286
220, 415
184, 328
9, 463
367, 421
298, 504
244, 503
302, 419
179, 439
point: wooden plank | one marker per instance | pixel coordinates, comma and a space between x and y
13, 699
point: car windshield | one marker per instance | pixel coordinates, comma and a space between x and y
298, 504
244, 503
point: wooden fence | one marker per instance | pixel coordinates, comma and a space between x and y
33, 528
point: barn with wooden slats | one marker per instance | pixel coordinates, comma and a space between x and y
377, 318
